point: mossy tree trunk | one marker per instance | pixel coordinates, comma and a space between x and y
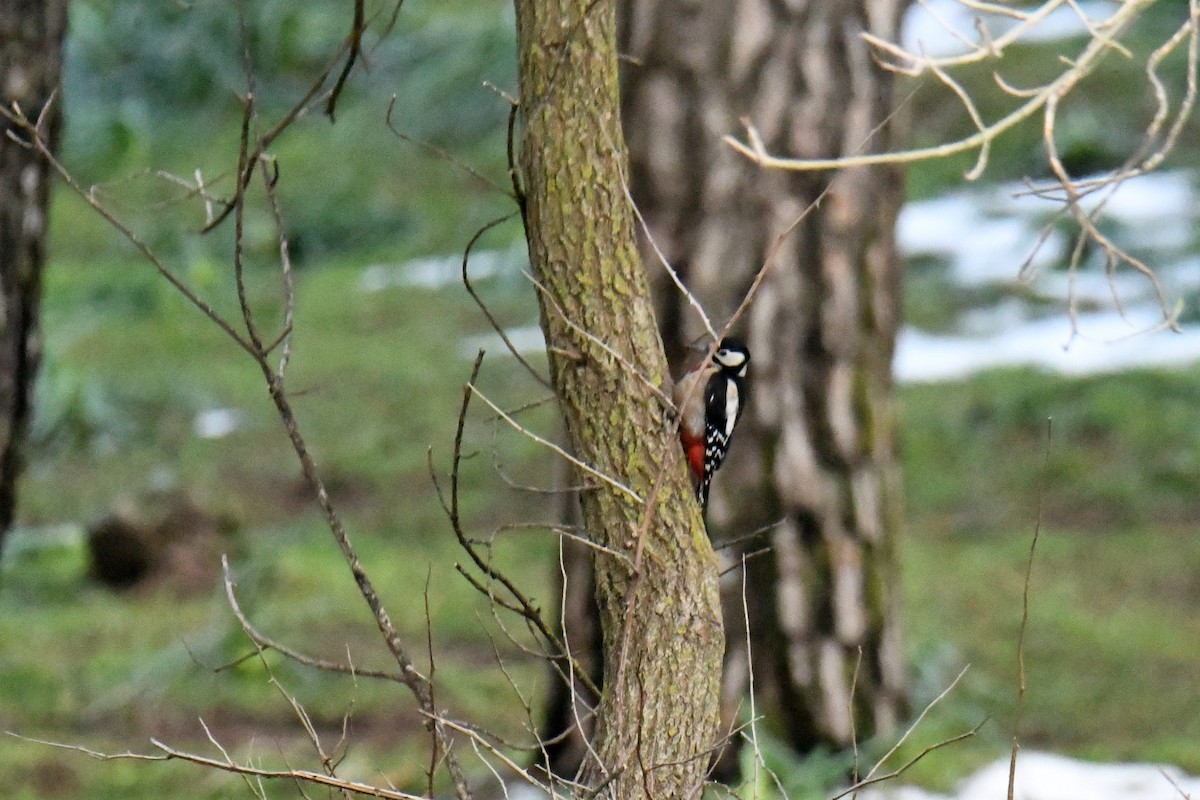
658, 599
814, 462
31, 36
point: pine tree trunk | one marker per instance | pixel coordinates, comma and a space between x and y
31, 36
658, 600
814, 461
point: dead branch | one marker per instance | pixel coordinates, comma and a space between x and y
442, 154
169, 753
1078, 68
15, 115
896, 773
263, 642
487, 312
625, 363
354, 46
1037, 529
871, 776
552, 446
274, 380
520, 604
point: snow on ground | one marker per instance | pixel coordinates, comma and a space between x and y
1046, 776
1040, 776
1106, 343
437, 272
947, 27
991, 234
986, 236
526, 339
217, 423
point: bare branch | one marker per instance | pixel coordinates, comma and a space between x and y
552, 446
1037, 529
929, 706
496, 326
442, 154
169, 753
1175, 784
896, 773
14, 115
521, 604
625, 363
307, 776
354, 45
264, 642
1083, 65
662, 259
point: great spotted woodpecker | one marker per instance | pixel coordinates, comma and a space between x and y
709, 399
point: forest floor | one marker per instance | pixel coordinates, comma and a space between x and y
1115, 588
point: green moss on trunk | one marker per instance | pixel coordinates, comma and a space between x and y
659, 604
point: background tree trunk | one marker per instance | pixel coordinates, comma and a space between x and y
31, 36
659, 606
814, 462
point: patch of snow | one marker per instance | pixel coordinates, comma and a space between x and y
982, 246
1158, 209
437, 272
217, 423
1149, 198
987, 237
949, 28
527, 339
1046, 776
524, 791
1106, 342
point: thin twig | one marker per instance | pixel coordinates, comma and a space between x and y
625, 363
487, 312
441, 153
896, 773
169, 753
928, 707
354, 45
15, 116
1081, 66
520, 604
264, 642
551, 445
1037, 529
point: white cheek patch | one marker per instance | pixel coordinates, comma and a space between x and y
731, 407
729, 359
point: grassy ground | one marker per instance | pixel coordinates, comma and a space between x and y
1109, 650
128, 367
1116, 575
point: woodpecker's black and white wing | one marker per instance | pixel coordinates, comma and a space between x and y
723, 406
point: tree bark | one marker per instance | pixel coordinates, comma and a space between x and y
31, 36
814, 462
658, 600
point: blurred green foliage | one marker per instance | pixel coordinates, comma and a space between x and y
154, 88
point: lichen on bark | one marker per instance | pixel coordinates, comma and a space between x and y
659, 606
